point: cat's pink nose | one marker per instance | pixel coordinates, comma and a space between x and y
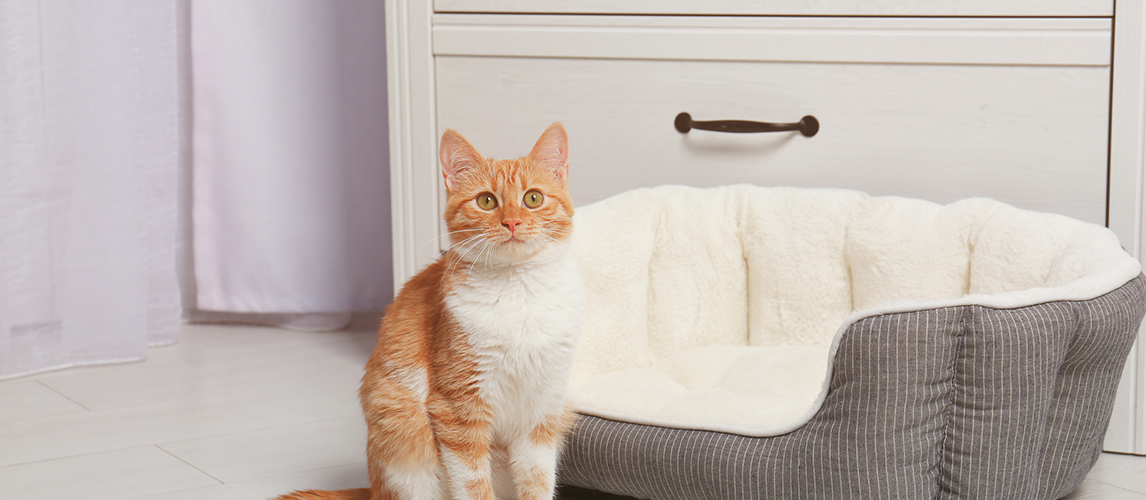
511, 224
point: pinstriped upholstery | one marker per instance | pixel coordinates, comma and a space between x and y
957, 402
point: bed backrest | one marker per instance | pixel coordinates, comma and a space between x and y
674, 267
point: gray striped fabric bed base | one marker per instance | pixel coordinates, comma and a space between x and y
958, 402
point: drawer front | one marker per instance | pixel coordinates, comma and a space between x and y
1035, 136
1031, 136
965, 8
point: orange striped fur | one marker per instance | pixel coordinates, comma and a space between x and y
453, 390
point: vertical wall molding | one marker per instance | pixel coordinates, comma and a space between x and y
413, 164
1127, 212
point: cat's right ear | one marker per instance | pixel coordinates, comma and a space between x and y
457, 156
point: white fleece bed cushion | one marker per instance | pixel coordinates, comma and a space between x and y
720, 309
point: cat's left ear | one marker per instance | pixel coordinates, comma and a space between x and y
552, 152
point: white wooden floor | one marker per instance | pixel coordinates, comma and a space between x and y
233, 413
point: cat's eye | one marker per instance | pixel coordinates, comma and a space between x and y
487, 201
533, 198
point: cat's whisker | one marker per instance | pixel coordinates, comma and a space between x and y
462, 244
464, 252
474, 260
552, 239
548, 234
459, 255
482, 251
466, 240
446, 235
552, 228
455, 260
487, 253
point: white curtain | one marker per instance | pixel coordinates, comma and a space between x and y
89, 151
291, 186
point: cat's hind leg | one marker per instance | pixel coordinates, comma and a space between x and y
401, 450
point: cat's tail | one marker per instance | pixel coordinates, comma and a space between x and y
356, 494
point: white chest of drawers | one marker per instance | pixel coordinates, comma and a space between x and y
1037, 103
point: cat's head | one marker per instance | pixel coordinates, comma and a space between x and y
507, 211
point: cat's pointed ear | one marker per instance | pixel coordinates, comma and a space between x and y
457, 156
552, 151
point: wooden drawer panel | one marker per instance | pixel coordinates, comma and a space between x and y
964, 8
1032, 136
804, 39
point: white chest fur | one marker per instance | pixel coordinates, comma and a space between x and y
523, 321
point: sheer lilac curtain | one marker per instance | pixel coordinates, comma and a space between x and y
279, 213
89, 142
291, 221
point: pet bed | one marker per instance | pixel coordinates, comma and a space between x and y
748, 342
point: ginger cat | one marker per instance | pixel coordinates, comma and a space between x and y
464, 395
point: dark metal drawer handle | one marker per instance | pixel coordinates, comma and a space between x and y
807, 125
